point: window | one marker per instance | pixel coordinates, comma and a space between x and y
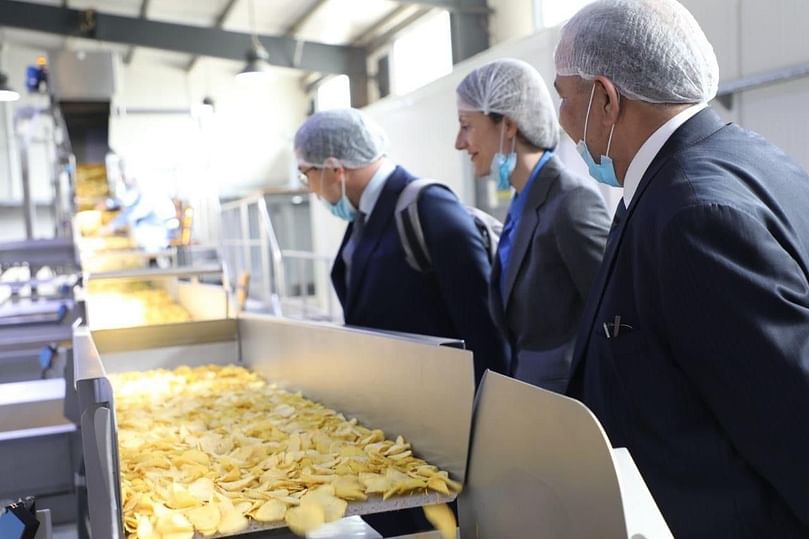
422, 54
550, 13
334, 93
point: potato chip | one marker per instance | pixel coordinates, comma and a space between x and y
236, 485
205, 518
442, 518
303, 519
180, 498
202, 489
333, 507
232, 521
174, 522
437, 484
145, 530
216, 443
271, 511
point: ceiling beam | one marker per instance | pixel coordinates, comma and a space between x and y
144, 7
296, 25
371, 31
221, 19
470, 31
214, 42
387, 36
453, 6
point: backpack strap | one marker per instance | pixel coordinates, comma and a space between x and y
408, 224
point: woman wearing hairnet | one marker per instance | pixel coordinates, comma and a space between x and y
557, 224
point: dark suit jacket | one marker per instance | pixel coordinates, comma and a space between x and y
452, 301
709, 389
555, 255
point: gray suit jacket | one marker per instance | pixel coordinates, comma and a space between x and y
555, 255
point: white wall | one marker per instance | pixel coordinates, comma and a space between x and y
243, 146
749, 37
512, 19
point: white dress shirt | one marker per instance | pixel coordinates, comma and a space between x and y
374, 188
649, 150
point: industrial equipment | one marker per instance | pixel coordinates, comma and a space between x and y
419, 387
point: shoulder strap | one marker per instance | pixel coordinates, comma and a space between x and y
408, 224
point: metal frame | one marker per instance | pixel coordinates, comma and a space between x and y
274, 263
469, 28
785, 74
272, 277
453, 6
220, 23
421, 388
144, 7
215, 42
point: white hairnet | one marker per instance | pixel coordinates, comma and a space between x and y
515, 89
344, 134
653, 50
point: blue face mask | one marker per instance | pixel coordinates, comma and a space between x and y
342, 208
503, 165
603, 172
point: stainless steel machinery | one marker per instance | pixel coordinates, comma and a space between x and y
419, 387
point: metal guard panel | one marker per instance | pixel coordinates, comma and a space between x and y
165, 335
423, 392
540, 466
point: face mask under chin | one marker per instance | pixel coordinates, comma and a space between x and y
502, 165
604, 171
342, 209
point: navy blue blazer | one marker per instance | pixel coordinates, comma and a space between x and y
707, 382
452, 301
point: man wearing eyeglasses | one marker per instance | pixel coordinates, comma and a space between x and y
341, 158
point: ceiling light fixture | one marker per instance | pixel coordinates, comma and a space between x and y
258, 64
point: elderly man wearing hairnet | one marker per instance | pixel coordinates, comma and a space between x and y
694, 346
557, 224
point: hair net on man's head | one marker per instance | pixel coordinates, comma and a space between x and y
344, 134
653, 50
515, 89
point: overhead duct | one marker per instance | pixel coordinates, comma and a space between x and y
83, 83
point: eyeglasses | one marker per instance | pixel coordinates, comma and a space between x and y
303, 176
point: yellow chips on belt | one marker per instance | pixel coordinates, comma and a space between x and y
116, 304
204, 448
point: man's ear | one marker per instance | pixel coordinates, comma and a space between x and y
333, 169
609, 99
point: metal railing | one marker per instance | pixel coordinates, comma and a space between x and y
290, 283
249, 244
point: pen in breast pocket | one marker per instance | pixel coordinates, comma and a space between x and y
613, 329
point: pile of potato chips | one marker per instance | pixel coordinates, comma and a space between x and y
206, 449
119, 304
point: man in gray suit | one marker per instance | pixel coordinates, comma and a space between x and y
557, 224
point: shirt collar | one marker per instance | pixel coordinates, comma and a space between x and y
649, 150
374, 188
518, 201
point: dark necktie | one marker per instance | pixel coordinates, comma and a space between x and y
351, 245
